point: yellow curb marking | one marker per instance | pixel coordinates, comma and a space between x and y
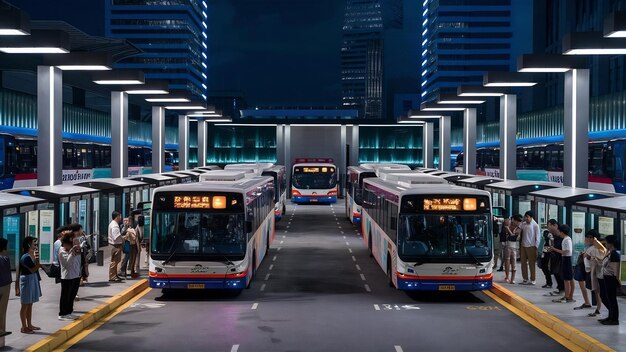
555, 328
69, 343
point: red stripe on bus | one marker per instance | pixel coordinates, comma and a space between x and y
21, 177
599, 179
405, 276
196, 276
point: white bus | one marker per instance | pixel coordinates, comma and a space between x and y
428, 236
279, 174
354, 191
314, 181
211, 234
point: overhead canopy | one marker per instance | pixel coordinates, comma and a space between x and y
610, 207
563, 195
516, 187
14, 203
61, 193
122, 184
478, 181
155, 179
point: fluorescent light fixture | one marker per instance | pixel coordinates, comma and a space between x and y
547, 63
146, 91
83, 67
479, 91
183, 107
416, 123
615, 25
80, 61
38, 42
119, 77
167, 100
451, 99
208, 111
204, 115
507, 79
13, 21
431, 106
149, 88
592, 43
217, 120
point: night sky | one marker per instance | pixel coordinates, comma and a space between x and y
276, 52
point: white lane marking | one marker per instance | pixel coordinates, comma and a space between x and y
353, 259
285, 232
341, 232
271, 266
367, 288
267, 277
350, 250
362, 277
398, 348
289, 222
281, 242
284, 235
358, 267
263, 287
344, 237
347, 243
274, 259
287, 226
255, 305
376, 307
235, 348
278, 249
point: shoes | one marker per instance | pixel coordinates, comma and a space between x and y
500, 269
525, 282
116, 280
26, 331
560, 300
512, 282
570, 300
67, 317
34, 328
583, 306
609, 322
593, 314
533, 283
546, 286
556, 293
506, 279
76, 298
74, 316
134, 276
5, 333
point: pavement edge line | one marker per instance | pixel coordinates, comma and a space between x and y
64, 334
550, 322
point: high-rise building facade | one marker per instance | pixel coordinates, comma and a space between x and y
362, 54
461, 40
173, 36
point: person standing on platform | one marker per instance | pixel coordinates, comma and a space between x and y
611, 273
30, 290
566, 265
116, 241
529, 244
580, 272
555, 258
512, 245
594, 255
5, 285
69, 259
546, 242
139, 230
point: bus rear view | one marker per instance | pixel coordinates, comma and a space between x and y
314, 181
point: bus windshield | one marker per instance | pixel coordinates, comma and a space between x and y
193, 234
314, 180
447, 236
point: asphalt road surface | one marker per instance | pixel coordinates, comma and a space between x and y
317, 290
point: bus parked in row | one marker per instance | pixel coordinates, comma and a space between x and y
211, 234
314, 180
278, 173
426, 235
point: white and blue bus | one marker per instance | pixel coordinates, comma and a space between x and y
428, 236
354, 191
314, 181
211, 234
278, 173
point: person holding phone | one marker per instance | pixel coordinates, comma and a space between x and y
30, 291
69, 259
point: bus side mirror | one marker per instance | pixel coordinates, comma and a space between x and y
248, 226
393, 223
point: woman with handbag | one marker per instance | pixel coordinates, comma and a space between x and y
130, 238
29, 291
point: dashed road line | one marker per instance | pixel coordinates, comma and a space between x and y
274, 259
376, 307
263, 287
271, 266
267, 277
362, 277
398, 348
281, 242
347, 243
367, 288
255, 305
350, 250
344, 237
358, 267
353, 258
278, 249
284, 235
235, 348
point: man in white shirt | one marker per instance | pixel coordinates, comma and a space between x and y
529, 245
116, 241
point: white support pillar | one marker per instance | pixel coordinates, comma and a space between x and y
158, 139
469, 141
343, 168
49, 126
576, 123
427, 145
202, 129
119, 134
288, 161
280, 145
508, 129
354, 147
444, 143
183, 142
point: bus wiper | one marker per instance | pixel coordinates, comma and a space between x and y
175, 247
474, 257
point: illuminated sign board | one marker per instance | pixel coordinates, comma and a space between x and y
192, 202
324, 169
449, 204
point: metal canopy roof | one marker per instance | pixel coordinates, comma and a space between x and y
155, 179
519, 185
570, 193
113, 183
615, 203
55, 192
14, 203
478, 180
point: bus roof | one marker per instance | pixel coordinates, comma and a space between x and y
238, 186
409, 180
314, 164
261, 166
441, 189
377, 166
223, 175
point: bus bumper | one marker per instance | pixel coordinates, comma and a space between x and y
444, 285
356, 218
278, 215
191, 283
314, 199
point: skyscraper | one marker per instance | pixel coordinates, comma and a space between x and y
462, 39
172, 34
362, 54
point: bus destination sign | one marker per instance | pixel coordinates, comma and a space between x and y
192, 202
449, 204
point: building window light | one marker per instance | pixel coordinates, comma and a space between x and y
424, 93
424, 73
204, 55
424, 42
424, 32
425, 12
425, 22
204, 45
424, 83
204, 24
203, 75
424, 52
204, 4
204, 65
204, 14
424, 62
204, 86
204, 96
204, 35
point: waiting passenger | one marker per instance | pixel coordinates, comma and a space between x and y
566, 265
594, 256
512, 246
611, 270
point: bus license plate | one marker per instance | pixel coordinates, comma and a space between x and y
446, 288
195, 285
312, 200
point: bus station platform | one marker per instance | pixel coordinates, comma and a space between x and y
97, 299
570, 324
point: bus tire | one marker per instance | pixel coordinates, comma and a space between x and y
369, 245
284, 209
389, 278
